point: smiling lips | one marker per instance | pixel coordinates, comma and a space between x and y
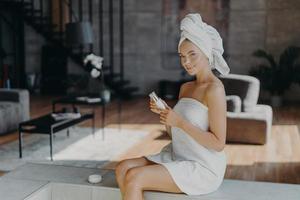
189, 68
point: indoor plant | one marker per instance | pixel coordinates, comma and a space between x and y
277, 77
94, 65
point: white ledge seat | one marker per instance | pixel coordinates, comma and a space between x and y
54, 182
239, 190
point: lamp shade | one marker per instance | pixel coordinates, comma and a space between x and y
79, 33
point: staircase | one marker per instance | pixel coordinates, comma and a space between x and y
39, 15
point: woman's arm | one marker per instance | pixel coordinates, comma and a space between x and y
205, 138
214, 138
156, 110
168, 129
181, 91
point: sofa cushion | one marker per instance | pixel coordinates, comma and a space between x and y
250, 127
9, 115
234, 103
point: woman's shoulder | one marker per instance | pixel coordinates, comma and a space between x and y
186, 85
215, 89
185, 89
215, 85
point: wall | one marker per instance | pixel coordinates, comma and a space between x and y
271, 25
151, 32
146, 60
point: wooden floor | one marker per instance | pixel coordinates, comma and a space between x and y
278, 161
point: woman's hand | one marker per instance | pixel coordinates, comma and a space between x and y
170, 118
154, 108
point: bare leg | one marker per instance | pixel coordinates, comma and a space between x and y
125, 165
153, 177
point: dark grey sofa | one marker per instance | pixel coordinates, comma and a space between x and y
247, 121
14, 108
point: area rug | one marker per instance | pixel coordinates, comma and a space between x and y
80, 149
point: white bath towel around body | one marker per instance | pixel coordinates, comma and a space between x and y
195, 169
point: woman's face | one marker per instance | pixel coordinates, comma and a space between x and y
192, 58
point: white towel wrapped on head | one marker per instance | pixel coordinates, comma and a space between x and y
206, 38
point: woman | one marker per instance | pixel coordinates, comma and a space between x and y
194, 162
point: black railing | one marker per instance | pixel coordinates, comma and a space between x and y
57, 13
121, 39
100, 35
111, 39
90, 5
42, 8
50, 17
61, 22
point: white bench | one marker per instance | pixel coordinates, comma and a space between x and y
52, 182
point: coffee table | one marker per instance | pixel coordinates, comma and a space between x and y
46, 124
74, 100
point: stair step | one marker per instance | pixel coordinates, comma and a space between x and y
27, 4
47, 28
35, 12
39, 19
56, 33
53, 35
16, 3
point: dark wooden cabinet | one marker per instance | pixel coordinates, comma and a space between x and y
54, 70
12, 63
